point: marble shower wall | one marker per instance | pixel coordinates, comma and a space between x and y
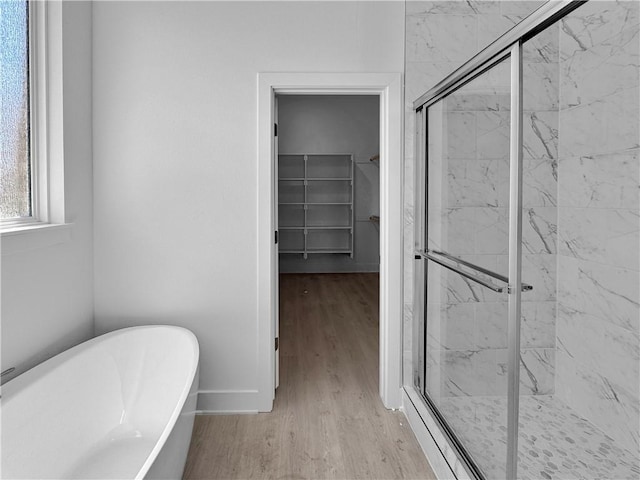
598, 322
470, 343
541, 83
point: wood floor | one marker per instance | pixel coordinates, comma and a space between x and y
328, 421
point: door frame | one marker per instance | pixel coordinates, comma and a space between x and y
388, 86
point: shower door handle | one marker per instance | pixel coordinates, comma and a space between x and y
435, 256
459, 271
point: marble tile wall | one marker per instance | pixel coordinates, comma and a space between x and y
540, 215
472, 344
598, 322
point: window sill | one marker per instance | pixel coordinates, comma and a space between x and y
23, 238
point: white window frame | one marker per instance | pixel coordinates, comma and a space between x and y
46, 225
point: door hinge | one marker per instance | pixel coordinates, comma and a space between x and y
277, 343
276, 237
275, 129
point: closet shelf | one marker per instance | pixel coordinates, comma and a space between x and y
329, 203
330, 179
318, 179
317, 227
317, 250
315, 203
317, 210
329, 227
329, 250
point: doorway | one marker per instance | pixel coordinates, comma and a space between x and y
388, 88
328, 197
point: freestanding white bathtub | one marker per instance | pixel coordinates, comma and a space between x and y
119, 406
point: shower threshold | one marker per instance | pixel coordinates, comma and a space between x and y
554, 442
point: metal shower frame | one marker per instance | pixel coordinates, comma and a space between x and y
509, 46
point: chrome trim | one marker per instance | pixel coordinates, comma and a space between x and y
418, 370
515, 262
456, 82
528, 27
497, 276
420, 180
481, 281
458, 446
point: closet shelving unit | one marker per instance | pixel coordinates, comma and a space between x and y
315, 203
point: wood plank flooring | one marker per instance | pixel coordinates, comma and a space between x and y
328, 421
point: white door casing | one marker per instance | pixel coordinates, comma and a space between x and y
276, 265
388, 86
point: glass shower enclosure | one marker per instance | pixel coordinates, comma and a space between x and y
527, 270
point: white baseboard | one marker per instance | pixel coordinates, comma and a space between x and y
227, 402
441, 456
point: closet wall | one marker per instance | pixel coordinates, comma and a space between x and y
324, 124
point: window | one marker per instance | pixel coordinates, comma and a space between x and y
16, 199
32, 193
31, 116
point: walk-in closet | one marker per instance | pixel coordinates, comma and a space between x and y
328, 184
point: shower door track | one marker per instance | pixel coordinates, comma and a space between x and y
540, 19
508, 45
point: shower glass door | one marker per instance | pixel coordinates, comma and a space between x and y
466, 252
527, 306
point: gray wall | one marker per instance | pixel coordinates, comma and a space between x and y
338, 124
